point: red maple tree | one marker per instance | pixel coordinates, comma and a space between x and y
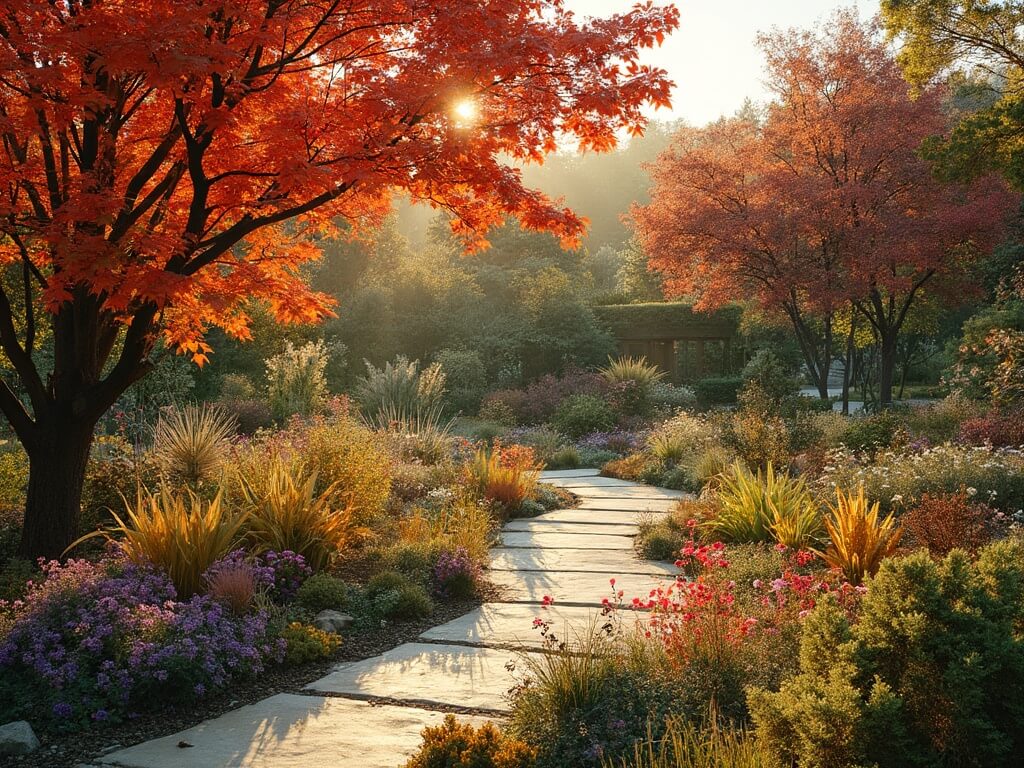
822, 201
165, 162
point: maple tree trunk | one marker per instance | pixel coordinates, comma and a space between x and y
57, 462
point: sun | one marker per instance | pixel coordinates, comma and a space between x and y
466, 110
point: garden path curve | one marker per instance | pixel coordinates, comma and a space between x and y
369, 713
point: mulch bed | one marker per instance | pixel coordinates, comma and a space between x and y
67, 750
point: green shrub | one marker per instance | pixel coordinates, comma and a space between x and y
666, 397
767, 386
322, 592
564, 458
499, 411
398, 598
875, 431
459, 745
466, 378
296, 380
305, 643
580, 415
721, 390
929, 674
413, 560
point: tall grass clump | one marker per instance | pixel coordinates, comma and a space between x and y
859, 539
191, 443
182, 534
297, 380
764, 506
685, 745
287, 513
634, 370
422, 435
400, 387
506, 475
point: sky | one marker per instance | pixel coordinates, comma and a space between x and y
713, 58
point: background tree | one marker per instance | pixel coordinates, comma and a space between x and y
824, 202
164, 162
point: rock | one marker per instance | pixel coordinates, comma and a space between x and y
17, 738
332, 621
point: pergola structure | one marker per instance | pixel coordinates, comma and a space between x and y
687, 345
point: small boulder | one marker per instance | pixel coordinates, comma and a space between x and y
17, 738
332, 621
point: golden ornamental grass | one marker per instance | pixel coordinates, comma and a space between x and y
859, 539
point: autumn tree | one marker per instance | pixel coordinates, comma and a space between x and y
823, 202
165, 162
978, 44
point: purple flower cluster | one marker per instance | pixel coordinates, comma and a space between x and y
99, 639
617, 441
455, 573
280, 574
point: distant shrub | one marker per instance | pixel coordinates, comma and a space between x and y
564, 458
942, 421
875, 431
640, 467
722, 390
249, 415
459, 745
918, 678
760, 439
767, 386
322, 592
236, 386
544, 440
15, 574
632, 369
949, 521
503, 406
579, 415
296, 380
305, 643
466, 378
667, 397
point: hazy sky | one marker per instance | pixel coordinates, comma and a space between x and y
713, 58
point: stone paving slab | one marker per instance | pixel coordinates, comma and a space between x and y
539, 540
554, 474
512, 624
290, 731
609, 517
610, 561
572, 587
451, 675
625, 492
593, 481
628, 505
538, 525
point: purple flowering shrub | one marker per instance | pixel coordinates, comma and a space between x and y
455, 574
101, 640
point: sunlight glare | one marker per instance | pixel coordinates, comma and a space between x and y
466, 110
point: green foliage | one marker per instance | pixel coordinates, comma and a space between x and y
635, 370
423, 435
13, 476
466, 378
721, 390
296, 380
322, 592
305, 643
580, 415
190, 443
927, 675
766, 506
871, 432
398, 598
459, 745
14, 576
767, 387
564, 458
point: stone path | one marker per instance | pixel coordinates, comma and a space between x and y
369, 714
